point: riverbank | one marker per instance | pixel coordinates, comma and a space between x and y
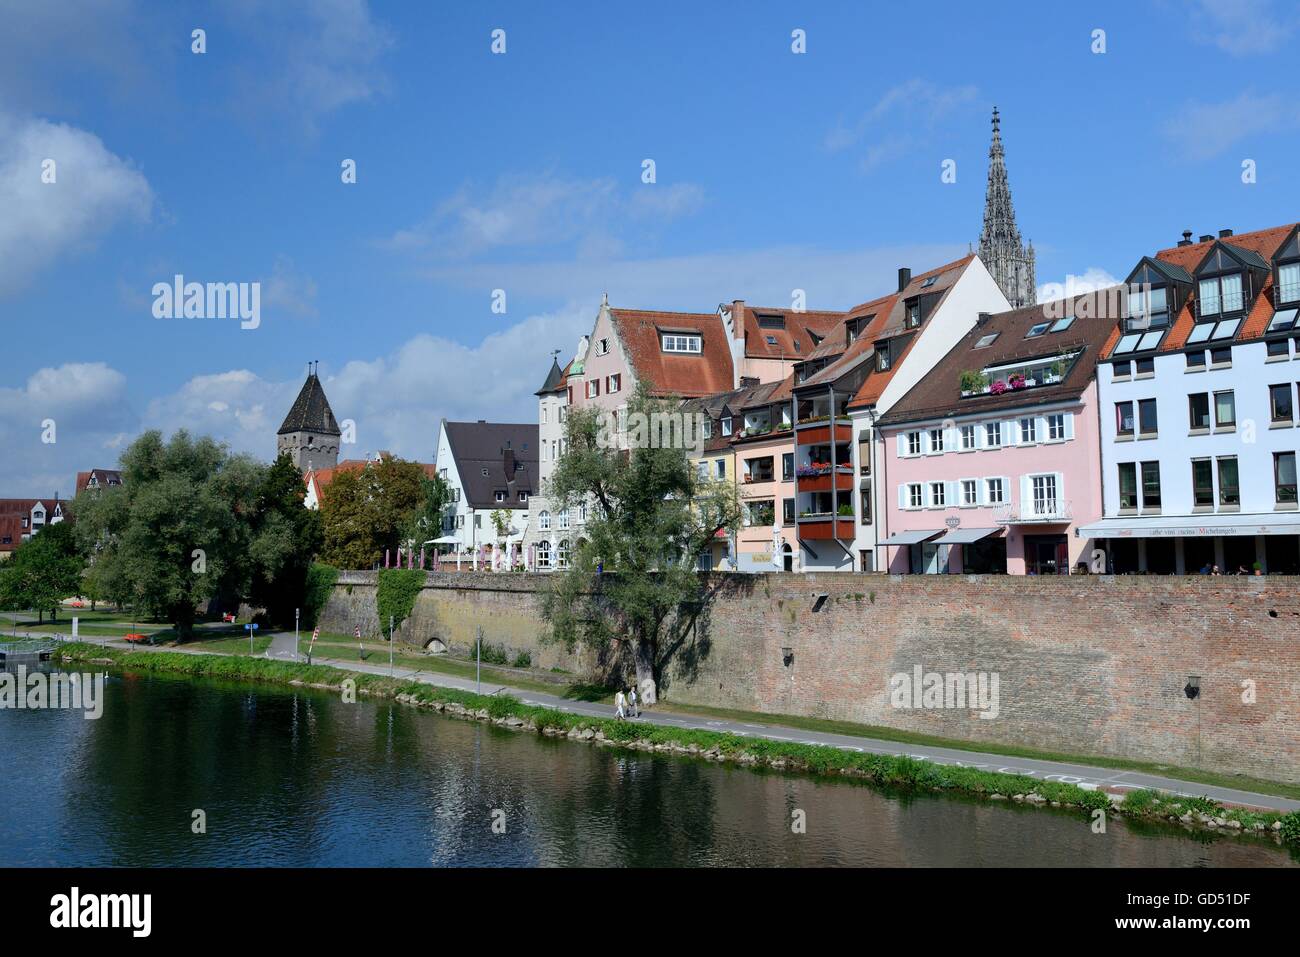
892, 771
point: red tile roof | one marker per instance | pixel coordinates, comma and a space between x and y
670, 373
794, 339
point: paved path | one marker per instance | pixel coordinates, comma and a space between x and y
1088, 776
284, 646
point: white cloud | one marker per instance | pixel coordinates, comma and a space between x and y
901, 120
533, 210
289, 291
1205, 130
44, 223
1242, 27
87, 403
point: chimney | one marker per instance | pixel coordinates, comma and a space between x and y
1187, 238
904, 277
983, 318
737, 311
1225, 233
509, 462
1207, 238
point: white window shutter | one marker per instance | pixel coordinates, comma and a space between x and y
950, 494
1011, 432
902, 444
1069, 425
1025, 495
902, 496
1040, 428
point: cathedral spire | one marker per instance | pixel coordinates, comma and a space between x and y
1007, 259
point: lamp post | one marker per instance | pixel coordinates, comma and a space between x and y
478, 661
390, 646
295, 634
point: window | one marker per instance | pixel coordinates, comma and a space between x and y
1028, 431
675, 343
993, 492
1229, 485
1221, 294
1056, 428
913, 443
937, 498
708, 427
1128, 493
771, 340
543, 554
915, 498
787, 466
562, 554
1148, 307
1150, 485
967, 438
720, 468
882, 356
1037, 329
914, 314
1198, 410
544, 521
1278, 348
702, 470
562, 522
1196, 360
760, 470
761, 512
1279, 402
1147, 417
985, 341
582, 513
602, 347
1221, 356
787, 511
1121, 370
1043, 494
1288, 282
593, 388
970, 492
614, 383
523, 496
936, 440
1202, 483
726, 425
1060, 325
1225, 410
1284, 478
460, 521
500, 496
1144, 367
992, 434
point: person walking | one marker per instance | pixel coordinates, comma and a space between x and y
619, 704
631, 697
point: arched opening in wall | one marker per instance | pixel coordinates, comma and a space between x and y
787, 557
435, 646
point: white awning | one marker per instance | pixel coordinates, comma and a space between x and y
964, 536
1190, 526
445, 540
912, 538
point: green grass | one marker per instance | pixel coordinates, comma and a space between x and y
882, 770
1195, 775
232, 645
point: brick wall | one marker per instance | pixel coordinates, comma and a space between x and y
1085, 664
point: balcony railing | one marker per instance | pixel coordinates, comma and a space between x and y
1034, 511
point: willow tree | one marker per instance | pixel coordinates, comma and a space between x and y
650, 516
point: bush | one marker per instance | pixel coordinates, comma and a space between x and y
523, 660
395, 596
320, 582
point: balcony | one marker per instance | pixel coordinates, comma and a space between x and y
817, 430
824, 526
819, 478
1048, 511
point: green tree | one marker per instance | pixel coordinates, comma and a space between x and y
179, 530
286, 536
635, 575
425, 522
369, 511
43, 571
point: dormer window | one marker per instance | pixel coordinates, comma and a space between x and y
1220, 294
883, 358
771, 320
680, 343
1148, 307
726, 425
771, 340
1288, 283
914, 314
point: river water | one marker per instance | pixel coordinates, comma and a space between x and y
302, 779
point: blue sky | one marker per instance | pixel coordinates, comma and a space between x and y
522, 172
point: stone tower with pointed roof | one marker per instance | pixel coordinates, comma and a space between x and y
309, 433
1010, 262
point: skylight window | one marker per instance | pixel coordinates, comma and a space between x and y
1127, 343
771, 340
1149, 340
1283, 320
986, 341
1200, 332
1037, 329
930, 281
1225, 329
1060, 325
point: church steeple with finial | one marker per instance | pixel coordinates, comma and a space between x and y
310, 435
1008, 260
